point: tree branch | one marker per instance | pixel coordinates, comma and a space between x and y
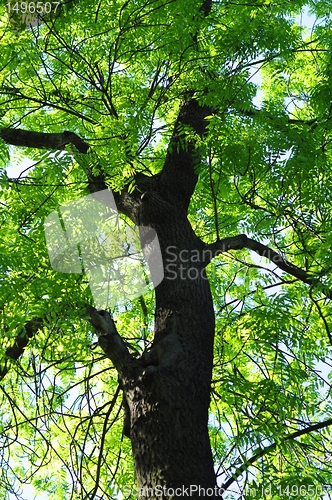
260, 452
242, 241
112, 344
20, 343
179, 176
258, 112
126, 202
28, 139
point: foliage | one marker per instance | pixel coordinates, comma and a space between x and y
115, 74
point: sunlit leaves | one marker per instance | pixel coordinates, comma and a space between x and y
115, 74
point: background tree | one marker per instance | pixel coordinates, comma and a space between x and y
156, 101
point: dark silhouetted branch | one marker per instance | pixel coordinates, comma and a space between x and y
28, 139
241, 241
112, 344
14, 352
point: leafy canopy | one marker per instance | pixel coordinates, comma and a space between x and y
115, 73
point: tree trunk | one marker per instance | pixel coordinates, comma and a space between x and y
169, 399
167, 391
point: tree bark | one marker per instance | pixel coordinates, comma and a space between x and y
29, 139
14, 352
169, 400
167, 391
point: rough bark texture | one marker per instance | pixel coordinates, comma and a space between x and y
169, 401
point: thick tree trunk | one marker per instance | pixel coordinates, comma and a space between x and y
170, 417
169, 400
167, 391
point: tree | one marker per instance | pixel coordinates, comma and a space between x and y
218, 377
